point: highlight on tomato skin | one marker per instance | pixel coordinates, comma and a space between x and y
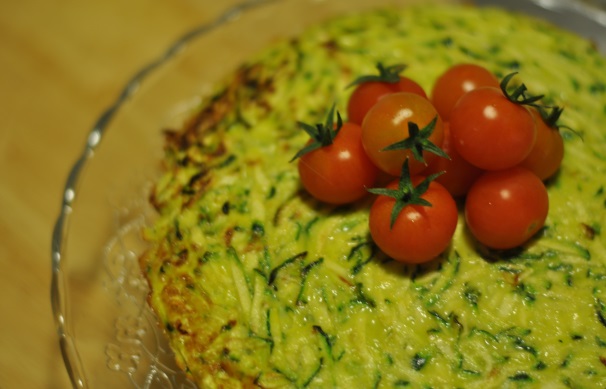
456, 81
490, 131
419, 233
459, 174
339, 173
387, 123
504, 209
366, 95
547, 153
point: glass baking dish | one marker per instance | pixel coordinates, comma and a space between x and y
108, 335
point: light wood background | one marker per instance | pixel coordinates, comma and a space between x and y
61, 64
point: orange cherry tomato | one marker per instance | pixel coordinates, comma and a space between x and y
387, 123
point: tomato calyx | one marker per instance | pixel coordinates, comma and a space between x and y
518, 95
406, 194
552, 118
389, 74
418, 141
322, 134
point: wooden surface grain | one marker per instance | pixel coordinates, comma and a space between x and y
61, 64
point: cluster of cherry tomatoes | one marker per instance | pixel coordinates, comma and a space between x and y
474, 137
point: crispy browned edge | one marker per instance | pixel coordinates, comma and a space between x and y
176, 140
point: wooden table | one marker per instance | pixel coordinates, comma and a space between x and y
61, 64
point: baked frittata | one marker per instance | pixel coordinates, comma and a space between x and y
259, 285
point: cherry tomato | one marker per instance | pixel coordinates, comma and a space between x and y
457, 81
420, 233
368, 93
546, 156
459, 174
340, 172
388, 122
490, 131
505, 208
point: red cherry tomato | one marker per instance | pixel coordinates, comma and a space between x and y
388, 122
505, 208
341, 172
490, 131
420, 233
546, 156
409, 85
457, 81
368, 93
459, 174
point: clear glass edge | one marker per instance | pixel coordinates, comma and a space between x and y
590, 10
58, 289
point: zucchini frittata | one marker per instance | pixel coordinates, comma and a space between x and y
258, 285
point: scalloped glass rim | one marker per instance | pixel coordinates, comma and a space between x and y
584, 17
134, 333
